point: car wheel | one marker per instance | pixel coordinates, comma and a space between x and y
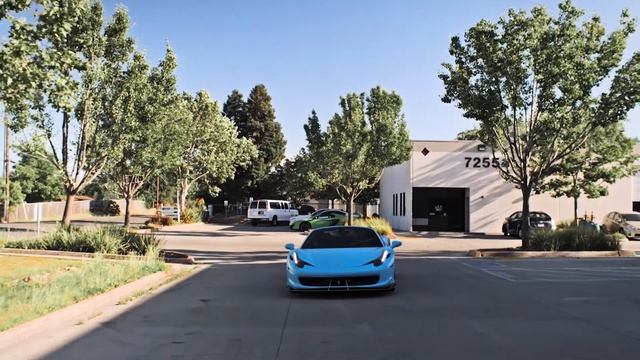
305, 226
254, 223
274, 221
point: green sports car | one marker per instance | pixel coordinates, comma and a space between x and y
322, 218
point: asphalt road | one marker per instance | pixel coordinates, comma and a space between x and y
442, 309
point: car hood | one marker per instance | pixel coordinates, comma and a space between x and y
339, 258
635, 224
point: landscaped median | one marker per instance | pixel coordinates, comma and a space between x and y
563, 243
39, 276
34, 286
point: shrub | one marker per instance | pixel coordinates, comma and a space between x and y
160, 220
573, 239
193, 212
566, 224
104, 207
380, 225
106, 240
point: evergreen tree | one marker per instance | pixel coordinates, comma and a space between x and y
266, 134
235, 109
256, 121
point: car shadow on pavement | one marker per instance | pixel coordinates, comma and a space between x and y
235, 258
454, 235
221, 312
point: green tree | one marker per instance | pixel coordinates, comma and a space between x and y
211, 148
607, 157
256, 121
149, 112
472, 134
16, 197
76, 62
39, 179
532, 83
369, 135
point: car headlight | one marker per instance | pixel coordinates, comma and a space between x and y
380, 259
296, 260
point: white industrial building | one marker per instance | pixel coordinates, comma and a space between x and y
454, 186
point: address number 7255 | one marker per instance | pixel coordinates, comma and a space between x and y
478, 162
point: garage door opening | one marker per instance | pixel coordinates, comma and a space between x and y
440, 209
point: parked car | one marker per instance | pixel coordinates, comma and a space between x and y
342, 258
321, 218
302, 217
627, 224
512, 225
272, 211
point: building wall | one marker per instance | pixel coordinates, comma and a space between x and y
491, 199
395, 180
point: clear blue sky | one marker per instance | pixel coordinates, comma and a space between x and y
308, 53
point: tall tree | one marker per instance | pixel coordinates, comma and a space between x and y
211, 147
266, 133
39, 179
76, 61
369, 135
256, 121
150, 111
235, 109
607, 157
531, 81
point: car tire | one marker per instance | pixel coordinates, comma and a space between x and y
274, 221
305, 226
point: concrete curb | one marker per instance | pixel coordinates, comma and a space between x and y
81, 310
515, 254
169, 256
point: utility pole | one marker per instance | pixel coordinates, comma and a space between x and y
7, 166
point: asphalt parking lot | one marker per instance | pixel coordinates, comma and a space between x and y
458, 308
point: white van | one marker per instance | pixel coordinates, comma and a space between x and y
273, 211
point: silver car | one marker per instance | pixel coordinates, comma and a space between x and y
626, 224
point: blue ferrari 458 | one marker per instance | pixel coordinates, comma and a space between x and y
342, 258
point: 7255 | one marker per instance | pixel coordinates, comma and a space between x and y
484, 162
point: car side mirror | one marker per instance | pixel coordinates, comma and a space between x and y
289, 246
395, 244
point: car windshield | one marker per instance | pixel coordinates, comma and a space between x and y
539, 216
631, 217
342, 237
317, 213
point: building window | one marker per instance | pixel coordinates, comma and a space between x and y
403, 206
394, 205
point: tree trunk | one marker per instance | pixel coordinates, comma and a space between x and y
524, 227
575, 211
184, 190
332, 205
127, 211
350, 209
66, 216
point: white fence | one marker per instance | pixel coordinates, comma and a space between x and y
53, 210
